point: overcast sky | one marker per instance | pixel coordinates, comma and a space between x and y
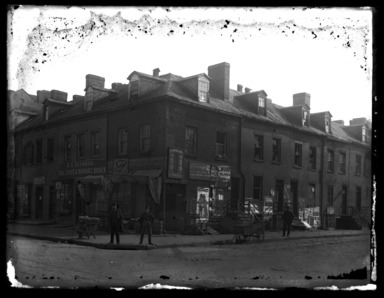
324, 52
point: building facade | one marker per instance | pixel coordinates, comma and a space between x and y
191, 148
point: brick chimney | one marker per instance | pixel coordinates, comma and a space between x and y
92, 94
339, 122
247, 90
219, 74
239, 88
361, 120
299, 99
59, 95
156, 72
43, 95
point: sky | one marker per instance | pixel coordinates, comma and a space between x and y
326, 52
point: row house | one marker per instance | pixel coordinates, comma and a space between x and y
190, 147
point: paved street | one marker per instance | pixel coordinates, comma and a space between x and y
301, 262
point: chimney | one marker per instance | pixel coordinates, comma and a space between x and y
156, 72
94, 81
299, 99
43, 95
91, 94
362, 120
247, 90
339, 122
239, 88
59, 95
76, 98
219, 74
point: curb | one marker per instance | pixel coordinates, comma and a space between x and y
147, 247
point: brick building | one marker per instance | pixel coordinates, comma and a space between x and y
189, 147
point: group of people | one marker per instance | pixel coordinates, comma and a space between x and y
115, 220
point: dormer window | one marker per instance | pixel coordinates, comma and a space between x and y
203, 90
46, 113
134, 90
364, 134
327, 125
305, 118
261, 106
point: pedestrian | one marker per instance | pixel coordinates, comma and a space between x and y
115, 220
287, 221
146, 220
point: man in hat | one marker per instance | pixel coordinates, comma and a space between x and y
287, 221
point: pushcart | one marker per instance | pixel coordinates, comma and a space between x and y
246, 232
87, 225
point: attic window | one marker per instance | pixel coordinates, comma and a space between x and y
262, 106
134, 91
364, 134
305, 118
46, 113
203, 91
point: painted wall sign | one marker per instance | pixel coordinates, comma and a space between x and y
120, 166
176, 163
83, 168
202, 171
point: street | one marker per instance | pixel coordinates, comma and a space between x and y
303, 263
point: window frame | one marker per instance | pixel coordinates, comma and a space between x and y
342, 165
80, 137
94, 135
262, 108
300, 155
67, 147
358, 164
134, 90
203, 90
39, 153
145, 140
188, 142
278, 149
224, 145
330, 163
258, 188
120, 141
259, 139
305, 117
314, 159
50, 155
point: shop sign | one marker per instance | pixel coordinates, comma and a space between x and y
175, 163
201, 171
120, 166
83, 168
331, 210
39, 180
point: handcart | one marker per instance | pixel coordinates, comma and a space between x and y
87, 225
244, 232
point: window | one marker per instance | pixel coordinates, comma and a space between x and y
64, 200
258, 153
221, 144
191, 140
203, 91
123, 141
262, 109
330, 195
50, 150
39, 151
276, 150
145, 138
358, 165
312, 157
330, 161
67, 147
327, 125
342, 163
364, 134
298, 154
257, 187
46, 113
305, 118
95, 144
312, 195
80, 146
134, 91
28, 154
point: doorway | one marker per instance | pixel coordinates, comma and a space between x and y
344, 190
295, 194
39, 190
280, 195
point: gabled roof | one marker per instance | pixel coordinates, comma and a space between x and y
49, 100
325, 113
141, 74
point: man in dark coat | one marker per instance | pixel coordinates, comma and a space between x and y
146, 221
115, 219
287, 221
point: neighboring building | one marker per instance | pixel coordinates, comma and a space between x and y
189, 147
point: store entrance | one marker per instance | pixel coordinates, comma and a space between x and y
39, 190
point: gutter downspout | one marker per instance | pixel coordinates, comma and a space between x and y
322, 171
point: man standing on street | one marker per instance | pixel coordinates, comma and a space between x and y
287, 221
146, 220
115, 219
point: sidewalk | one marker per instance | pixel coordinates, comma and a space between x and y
129, 240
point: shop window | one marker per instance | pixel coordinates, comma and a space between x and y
276, 150
330, 161
145, 138
258, 187
191, 141
39, 151
50, 149
312, 157
330, 195
358, 165
298, 154
67, 147
95, 144
123, 141
64, 200
258, 153
342, 163
221, 145
80, 146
